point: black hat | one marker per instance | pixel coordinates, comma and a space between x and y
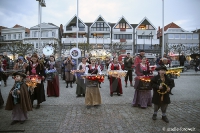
128, 53
20, 74
161, 68
142, 51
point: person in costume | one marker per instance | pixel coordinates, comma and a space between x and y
80, 88
52, 85
20, 64
18, 99
128, 62
161, 85
36, 69
69, 64
92, 96
141, 98
115, 83
4, 66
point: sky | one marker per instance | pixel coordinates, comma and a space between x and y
184, 13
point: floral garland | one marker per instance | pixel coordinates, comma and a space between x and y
164, 91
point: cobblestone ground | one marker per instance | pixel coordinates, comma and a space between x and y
68, 114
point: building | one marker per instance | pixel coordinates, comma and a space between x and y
177, 40
50, 34
103, 35
145, 37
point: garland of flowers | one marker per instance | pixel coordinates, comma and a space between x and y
162, 92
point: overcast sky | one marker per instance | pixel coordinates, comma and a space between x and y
184, 13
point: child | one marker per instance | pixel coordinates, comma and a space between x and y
161, 85
18, 99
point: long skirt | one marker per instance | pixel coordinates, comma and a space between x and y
115, 85
80, 88
1, 99
142, 98
92, 96
68, 77
53, 87
38, 94
18, 114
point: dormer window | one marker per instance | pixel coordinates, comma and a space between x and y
123, 26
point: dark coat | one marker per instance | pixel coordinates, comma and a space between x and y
25, 101
182, 58
155, 83
128, 63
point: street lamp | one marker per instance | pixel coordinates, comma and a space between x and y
162, 51
144, 40
41, 3
151, 38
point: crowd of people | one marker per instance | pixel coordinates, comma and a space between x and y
21, 97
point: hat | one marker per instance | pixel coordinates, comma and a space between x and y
142, 51
161, 68
128, 53
20, 74
35, 55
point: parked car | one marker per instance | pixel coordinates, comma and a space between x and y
176, 63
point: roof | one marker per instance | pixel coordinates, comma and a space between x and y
171, 25
2, 27
17, 26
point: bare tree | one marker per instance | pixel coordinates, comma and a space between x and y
115, 48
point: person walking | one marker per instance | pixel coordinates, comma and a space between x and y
53, 84
197, 63
182, 59
142, 98
36, 69
161, 85
115, 82
128, 62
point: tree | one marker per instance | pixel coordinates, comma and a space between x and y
116, 47
18, 47
85, 47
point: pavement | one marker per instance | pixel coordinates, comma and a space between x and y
68, 114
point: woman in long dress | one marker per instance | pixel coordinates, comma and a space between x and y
35, 68
69, 64
141, 98
80, 88
115, 83
52, 85
92, 96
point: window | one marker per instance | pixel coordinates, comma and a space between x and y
9, 36
19, 36
183, 36
4, 37
189, 36
171, 36
46, 33
53, 34
100, 26
36, 45
14, 36
176, 36
123, 25
35, 34
122, 36
195, 36
145, 37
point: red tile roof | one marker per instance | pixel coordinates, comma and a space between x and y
17, 26
171, 25
2, 27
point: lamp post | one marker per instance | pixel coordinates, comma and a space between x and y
41, 3
144, 39
151, 38
162, 51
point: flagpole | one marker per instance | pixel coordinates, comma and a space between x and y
77, 32
162, 52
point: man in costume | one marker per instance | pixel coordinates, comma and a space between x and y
161, 85
18, 99
128, 62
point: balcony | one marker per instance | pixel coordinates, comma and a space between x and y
122, 40
147, 41
73, 40
74, 29
122, 29
99, 40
